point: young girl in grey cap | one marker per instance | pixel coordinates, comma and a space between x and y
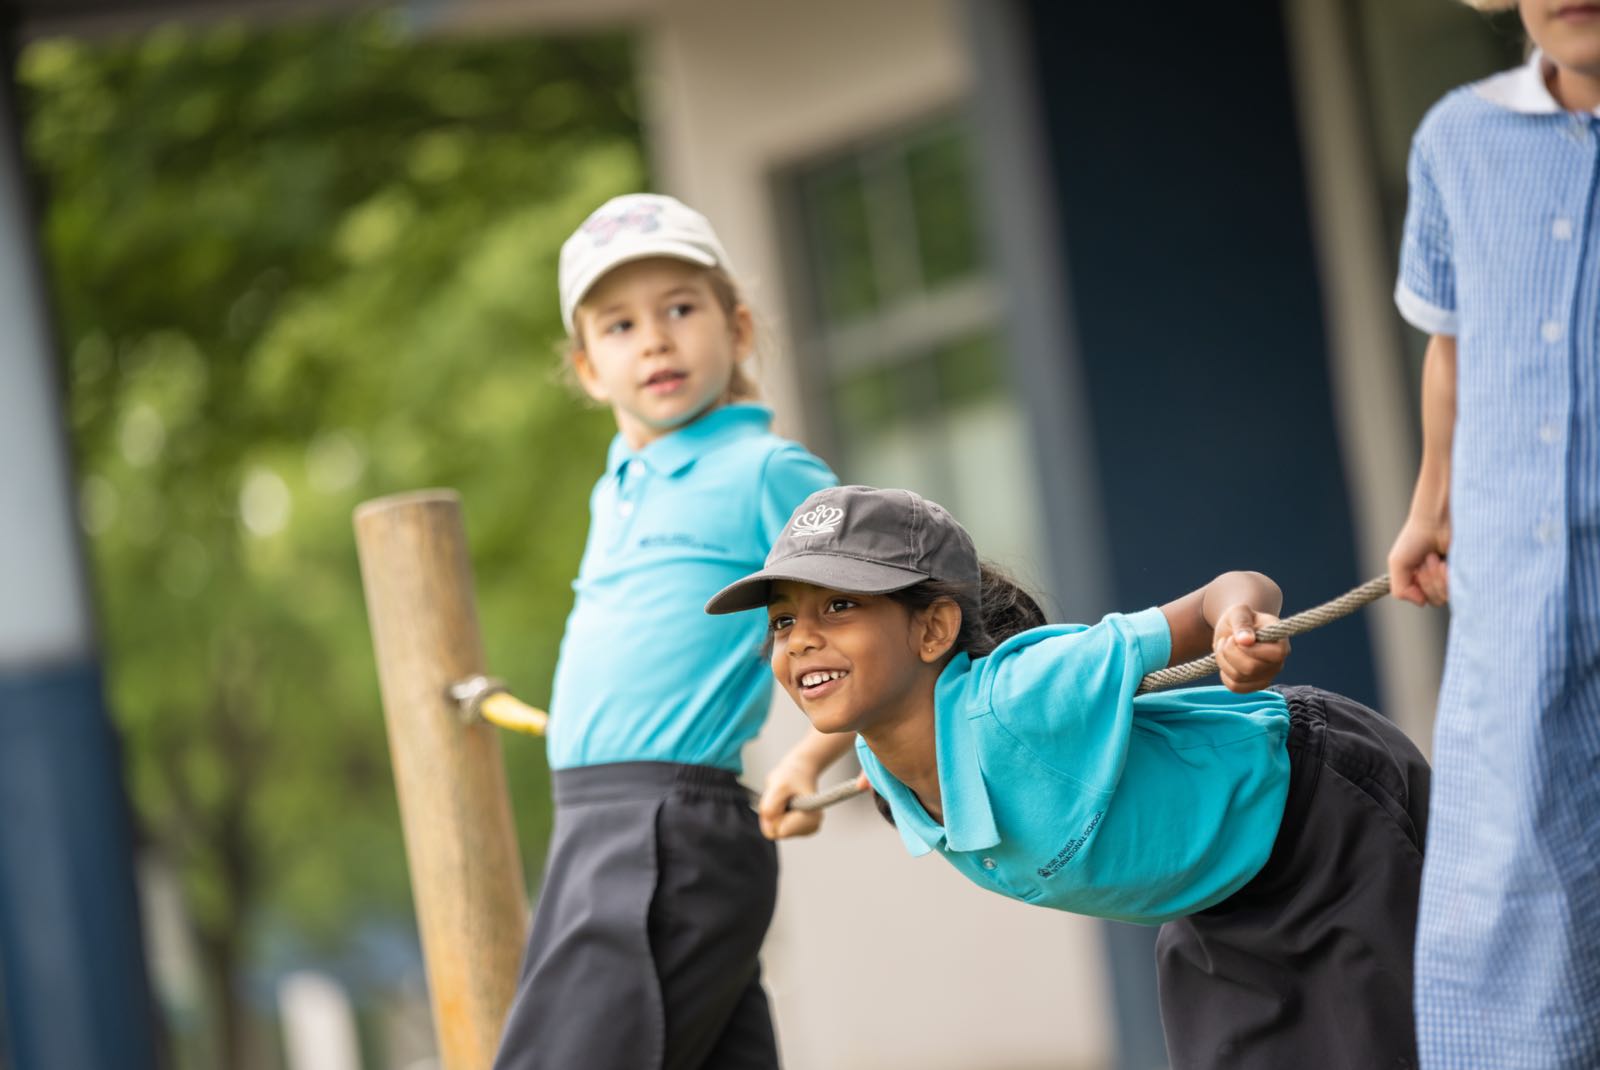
659, 885
1275, 835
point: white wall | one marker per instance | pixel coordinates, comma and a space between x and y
876, 959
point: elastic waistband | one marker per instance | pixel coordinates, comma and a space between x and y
1308, 717
618, 781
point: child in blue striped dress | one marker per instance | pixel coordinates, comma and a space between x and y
1500, 264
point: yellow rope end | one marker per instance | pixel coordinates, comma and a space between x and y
513, 714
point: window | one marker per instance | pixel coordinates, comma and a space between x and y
899, 335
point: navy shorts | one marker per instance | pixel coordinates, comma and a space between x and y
1309, 964
643, 953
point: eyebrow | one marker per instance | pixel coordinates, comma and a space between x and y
621, 306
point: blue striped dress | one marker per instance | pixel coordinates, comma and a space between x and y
1502, 251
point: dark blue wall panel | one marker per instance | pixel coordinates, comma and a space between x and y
72, 985
1176, 155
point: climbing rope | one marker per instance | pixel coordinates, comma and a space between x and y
1198, 669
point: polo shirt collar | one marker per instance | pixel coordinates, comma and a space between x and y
672, 453
968, 816
1523, 89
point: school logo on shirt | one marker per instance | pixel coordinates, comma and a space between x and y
819, 521
1071, 849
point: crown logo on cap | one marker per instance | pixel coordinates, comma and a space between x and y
643, 218
818, 521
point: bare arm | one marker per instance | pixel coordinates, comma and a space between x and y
1222, 618
1417, 572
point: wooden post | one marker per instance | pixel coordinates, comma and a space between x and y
466, 876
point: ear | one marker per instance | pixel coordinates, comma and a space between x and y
743, 325
588, 378
941, 623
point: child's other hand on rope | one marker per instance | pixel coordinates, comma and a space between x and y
1247, 664
1417, 569
789, 779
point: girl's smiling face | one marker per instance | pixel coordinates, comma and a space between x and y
853, 662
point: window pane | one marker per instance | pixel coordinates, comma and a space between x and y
969, 370
841, 253
942, 204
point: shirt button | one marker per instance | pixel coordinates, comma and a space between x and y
1551, 331
1545, 532
624, 508
988, 863
1561, 229
1548, 433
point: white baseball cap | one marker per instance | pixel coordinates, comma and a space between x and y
633, 227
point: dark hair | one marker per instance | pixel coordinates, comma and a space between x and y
1003, 609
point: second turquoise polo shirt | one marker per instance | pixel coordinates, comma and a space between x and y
1061, 788
645, 674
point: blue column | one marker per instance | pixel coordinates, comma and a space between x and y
73, 990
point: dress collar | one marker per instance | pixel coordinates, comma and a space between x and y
672, 453
1523, 89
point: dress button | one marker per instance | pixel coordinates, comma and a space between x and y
988, 863
1561, 229
1548, 433
625, 508
1551, 331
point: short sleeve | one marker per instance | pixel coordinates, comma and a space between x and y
791, 474
1426, 289
1066, 691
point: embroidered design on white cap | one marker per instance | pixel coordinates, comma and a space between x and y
642, 218
819, 521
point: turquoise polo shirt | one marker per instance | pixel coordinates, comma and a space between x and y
644, 673
1061, 788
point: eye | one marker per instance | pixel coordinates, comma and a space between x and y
779, 623
839, 605
617, 326
680, 310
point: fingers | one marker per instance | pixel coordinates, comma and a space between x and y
1403, 582
795, 823
1243, 660
1433, 581
772, 811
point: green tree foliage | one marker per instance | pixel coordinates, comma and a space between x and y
297, 267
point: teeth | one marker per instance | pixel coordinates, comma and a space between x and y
812, 679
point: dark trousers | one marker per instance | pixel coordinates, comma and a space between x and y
1309, 965
657, 896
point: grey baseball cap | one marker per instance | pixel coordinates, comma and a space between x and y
860, 540
632, 227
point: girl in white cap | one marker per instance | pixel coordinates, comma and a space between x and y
1276, 836
659, 885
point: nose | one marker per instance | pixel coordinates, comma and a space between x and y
654, 337
803, 638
